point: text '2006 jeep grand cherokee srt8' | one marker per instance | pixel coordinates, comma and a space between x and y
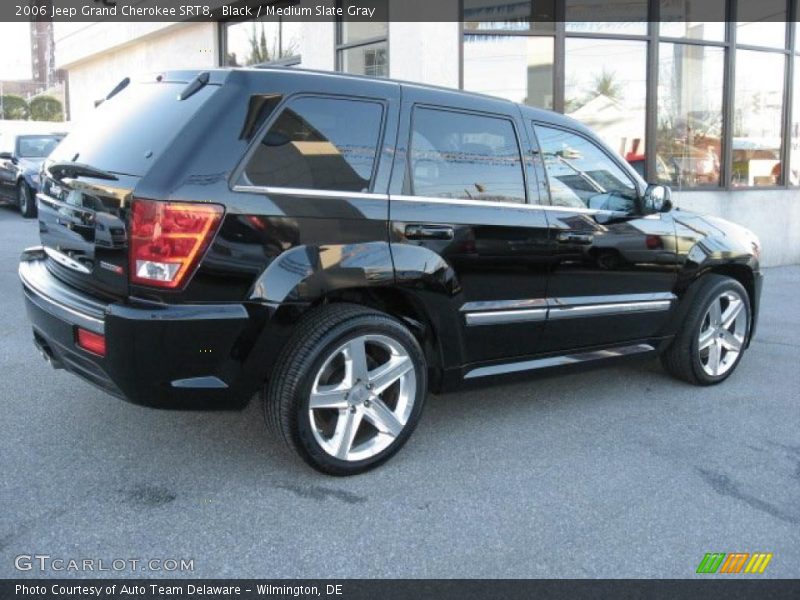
346, 244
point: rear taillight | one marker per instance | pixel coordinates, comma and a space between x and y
90, 341
167, 240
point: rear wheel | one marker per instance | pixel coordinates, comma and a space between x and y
25, 201
713, 335
348, 389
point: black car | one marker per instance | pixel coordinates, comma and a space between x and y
21, 158
342, 245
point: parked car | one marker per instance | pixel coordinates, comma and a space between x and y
342, 245
21, 157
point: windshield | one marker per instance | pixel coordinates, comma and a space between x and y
37, 146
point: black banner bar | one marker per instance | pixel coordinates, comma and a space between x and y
505, 13
439, 589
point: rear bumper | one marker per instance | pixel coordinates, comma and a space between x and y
167, 356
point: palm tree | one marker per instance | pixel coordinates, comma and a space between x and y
605, 84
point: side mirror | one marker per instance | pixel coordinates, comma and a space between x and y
657, 198
6, 156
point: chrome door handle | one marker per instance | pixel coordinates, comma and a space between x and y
429, 232
575, 238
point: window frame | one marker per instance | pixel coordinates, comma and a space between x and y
653, 38
408, 184
340, 46
222, 41
236, 184
612, 156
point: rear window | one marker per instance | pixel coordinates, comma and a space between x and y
127, 133
321, 144
37, 146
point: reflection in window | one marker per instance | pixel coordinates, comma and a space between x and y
518, 68
362, 47
758, 104
761, 23
794, 157
459, 155
678, 19
689, 127
365, 60
581, 175
259, 42
319, 143
358, 31
607, 16
605, 88
510, 15
37, 146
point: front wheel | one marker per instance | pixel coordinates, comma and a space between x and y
713, 334
25, 201
348, 389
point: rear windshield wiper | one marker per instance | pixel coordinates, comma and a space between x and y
60, 170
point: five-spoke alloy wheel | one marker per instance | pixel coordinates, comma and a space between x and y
714, 331
348, 389
722, 333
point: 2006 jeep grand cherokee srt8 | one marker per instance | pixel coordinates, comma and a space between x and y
345, 244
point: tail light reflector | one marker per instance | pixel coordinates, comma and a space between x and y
91, 342
168, 239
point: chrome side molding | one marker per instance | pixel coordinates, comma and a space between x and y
517, 311
497, 317
557, 361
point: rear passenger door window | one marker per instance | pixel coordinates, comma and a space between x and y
582, 175
465, 155
320, 144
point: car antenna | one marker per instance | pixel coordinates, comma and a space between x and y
195, 85
117, 89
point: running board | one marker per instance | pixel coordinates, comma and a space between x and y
558, 361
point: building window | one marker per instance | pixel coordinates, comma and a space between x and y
678, 19
689, 122
761, 23
673, 123
606, 89
516, 67
362, 47
602, 16
260, 42
758, 111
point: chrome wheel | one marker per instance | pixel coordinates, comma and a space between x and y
722, 333
362, 397
24, 198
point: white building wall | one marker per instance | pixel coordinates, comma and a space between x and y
424, 52
773, 215
185, 45
316, 46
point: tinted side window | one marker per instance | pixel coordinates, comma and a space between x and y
581, 174
321, 144
459, 155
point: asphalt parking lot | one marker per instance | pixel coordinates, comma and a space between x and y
617, 472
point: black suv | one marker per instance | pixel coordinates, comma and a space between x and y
344, 245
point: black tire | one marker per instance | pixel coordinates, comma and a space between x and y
682, 359
26, 200
286, 397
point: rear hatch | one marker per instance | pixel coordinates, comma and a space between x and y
90, 179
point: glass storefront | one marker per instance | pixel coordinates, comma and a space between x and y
672, 122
